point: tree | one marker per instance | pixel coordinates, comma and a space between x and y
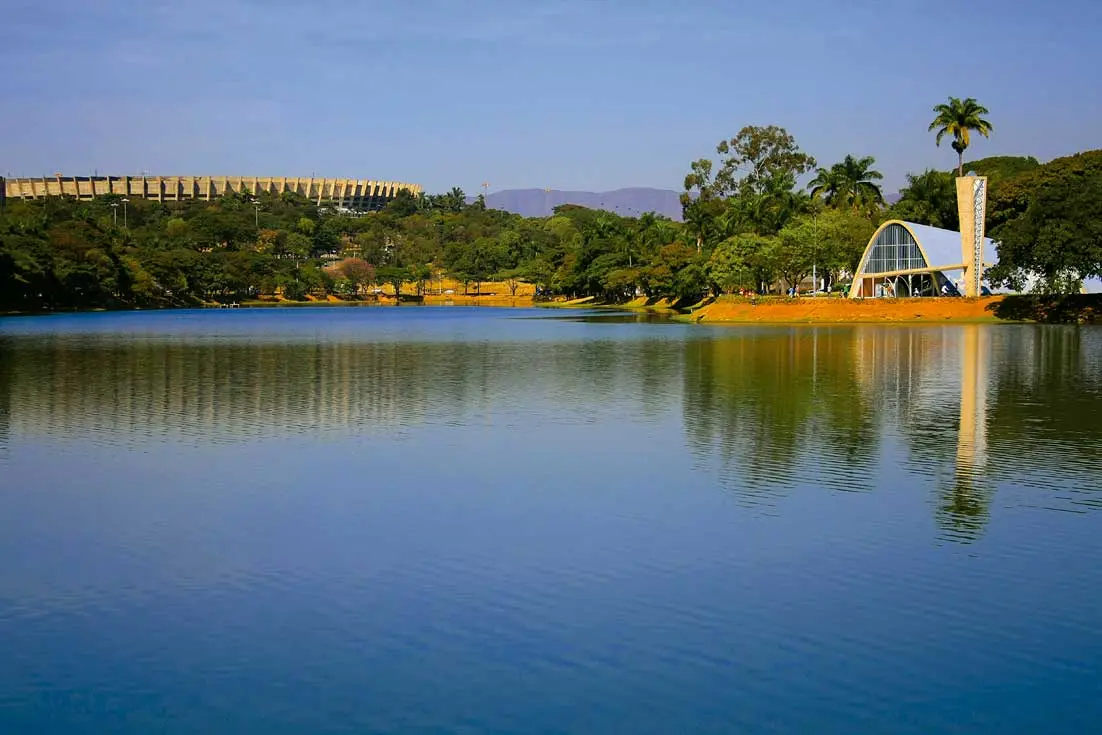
751, 191
959, 118
512, 278
297, 246
420, 275
620, 283
757, 158
395, 276
660, 278
842, 236
306, 226
737, 261
454, 201
700, 202
403, 204
476, 262
358, 272
930, 198
851, 183
797, 250
1048, 225
176, 228
1002, 168
827, 184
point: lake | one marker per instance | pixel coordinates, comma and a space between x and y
472, 520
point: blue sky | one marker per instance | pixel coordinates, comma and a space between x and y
569, 94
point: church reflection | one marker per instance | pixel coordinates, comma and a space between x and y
960, 410
964, 506
867, 407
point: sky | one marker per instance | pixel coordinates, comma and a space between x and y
565, 94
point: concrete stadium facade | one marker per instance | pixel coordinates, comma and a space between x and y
361, 194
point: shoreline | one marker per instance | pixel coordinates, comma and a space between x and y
832, 310
1067, 309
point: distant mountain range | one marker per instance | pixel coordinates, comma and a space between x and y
630, 202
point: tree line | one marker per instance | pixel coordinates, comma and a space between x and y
749, 225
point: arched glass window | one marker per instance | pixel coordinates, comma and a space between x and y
894, 250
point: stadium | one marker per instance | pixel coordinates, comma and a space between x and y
353, 194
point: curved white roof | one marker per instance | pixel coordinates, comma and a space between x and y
943, 246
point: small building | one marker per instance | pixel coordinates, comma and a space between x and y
906, 259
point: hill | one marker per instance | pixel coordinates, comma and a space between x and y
630, 202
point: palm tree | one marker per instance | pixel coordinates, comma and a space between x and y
958, 118
827, 183
929, 198
861, 189
851, 182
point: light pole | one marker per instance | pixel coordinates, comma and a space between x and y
124, 203
815, 258
256, 211
115, 213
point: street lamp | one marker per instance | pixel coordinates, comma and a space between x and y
256, 210
124, 203
115, 213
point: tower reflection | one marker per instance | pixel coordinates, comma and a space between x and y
963, 508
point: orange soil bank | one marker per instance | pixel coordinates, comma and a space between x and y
840, 310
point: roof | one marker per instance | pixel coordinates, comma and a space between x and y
943, 246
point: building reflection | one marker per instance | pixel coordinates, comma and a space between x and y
956, 410
867, 407
964, 506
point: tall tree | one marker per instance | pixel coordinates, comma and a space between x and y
930, 198
757, 158
959, 118
850, 183
1048, 224
701, 202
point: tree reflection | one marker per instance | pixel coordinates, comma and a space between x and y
224, 391
6, 362
780, 407
966, 406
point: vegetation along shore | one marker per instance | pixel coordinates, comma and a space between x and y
749, 228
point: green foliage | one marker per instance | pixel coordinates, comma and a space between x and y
959, 118
754, 189
1048, 225
757, 158
930, 198
747, 224
740, 262
1002, 168
851, 183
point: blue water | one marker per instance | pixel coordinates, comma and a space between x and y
476, 520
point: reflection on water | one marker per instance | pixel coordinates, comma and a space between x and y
419, 521
786, 408
775, 408
231, 392
781, 408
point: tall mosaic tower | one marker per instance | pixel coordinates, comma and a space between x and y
972, 209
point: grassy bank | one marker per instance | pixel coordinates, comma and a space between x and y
825, 310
